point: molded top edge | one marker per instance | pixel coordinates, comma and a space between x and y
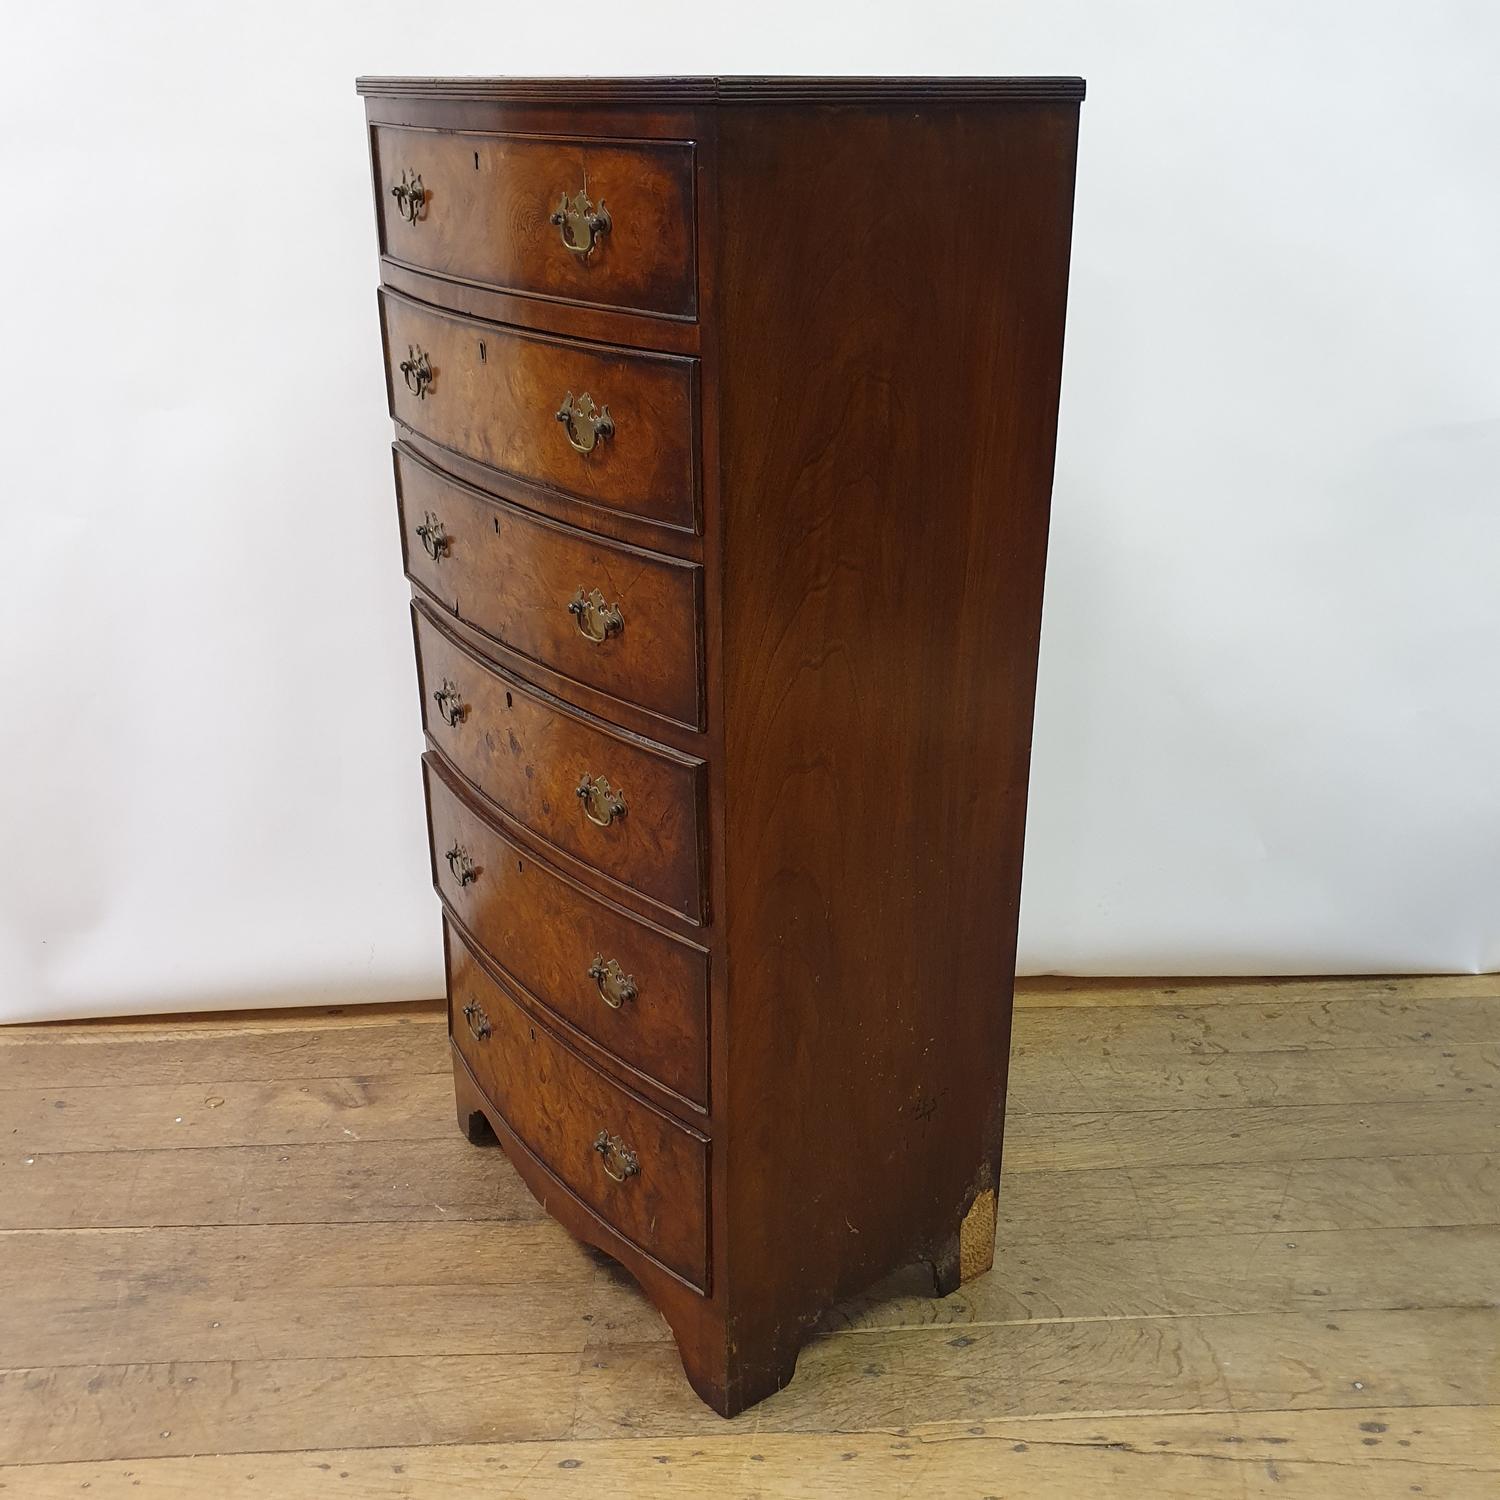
730, 90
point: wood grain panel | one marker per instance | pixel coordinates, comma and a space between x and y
1251, 1197
172, 1052
558, 1105
225, 1112
529, 754
882, 572
271, 1292
488, 204
1215, 1274
515, 576
1129, 1081
437, 1175
1387, 1452
1148, 1138
1209, 1031
409, 1293
897, 1380
547, 933
495, 394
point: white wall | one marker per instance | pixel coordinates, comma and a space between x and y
1267, 731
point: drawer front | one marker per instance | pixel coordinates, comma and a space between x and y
627, 986
629, 810
635, 1167
484, 204
618, 618
530, 406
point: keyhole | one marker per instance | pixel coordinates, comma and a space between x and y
481, 351
507, 700
476, 161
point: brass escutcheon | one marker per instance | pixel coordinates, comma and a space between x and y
410, 195
434, 537
615, 985
619, 1160
584, 422
450, 703
464, 869
479, 1023
600, 804
416, 371
597, 621
581, 224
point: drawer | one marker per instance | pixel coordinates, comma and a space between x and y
629, 808
613, 427
484, 204
626, 985
637, 1168
618, 618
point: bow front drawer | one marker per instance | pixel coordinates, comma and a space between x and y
602, 222
626, 985
613, 427
618, 618
641, 1172
626, 806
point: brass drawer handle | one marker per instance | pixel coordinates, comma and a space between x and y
619, 1160
416, 371
615, 985
465, 872
584, 422
409, 195
451, 704
581, 224
600, 804
479, 1023
434, 537
597, 621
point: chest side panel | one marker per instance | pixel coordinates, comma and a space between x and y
892, 291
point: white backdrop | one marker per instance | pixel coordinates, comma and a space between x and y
1267, 731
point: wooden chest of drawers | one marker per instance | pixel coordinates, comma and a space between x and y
725, 414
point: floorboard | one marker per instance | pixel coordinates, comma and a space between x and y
1247, 1246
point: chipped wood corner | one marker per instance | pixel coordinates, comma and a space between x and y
976, 1237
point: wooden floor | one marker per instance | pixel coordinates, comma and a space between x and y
1249, 1245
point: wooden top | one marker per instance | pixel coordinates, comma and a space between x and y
731, 90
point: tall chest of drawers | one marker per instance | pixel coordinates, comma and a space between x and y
725, 416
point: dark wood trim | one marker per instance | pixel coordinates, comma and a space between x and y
706, 213
658, 333
534, 117
617, 525
746, 89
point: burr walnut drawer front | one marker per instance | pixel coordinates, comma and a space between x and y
626, 985
606, 222
634, 1166
627, 807
618, 618
613, 427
